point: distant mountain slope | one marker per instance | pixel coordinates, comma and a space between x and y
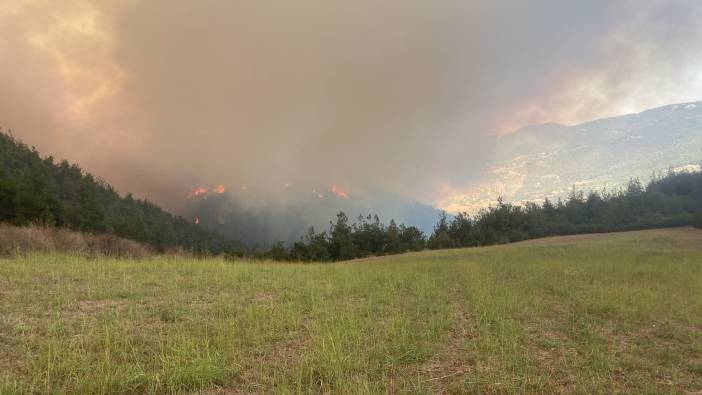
270, 222
549, 160
36, 190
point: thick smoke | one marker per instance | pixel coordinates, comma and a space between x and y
260, 225
406, 96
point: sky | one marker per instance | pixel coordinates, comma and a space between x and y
159, 97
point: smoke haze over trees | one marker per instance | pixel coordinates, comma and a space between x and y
669, 201
36, 190
260, 224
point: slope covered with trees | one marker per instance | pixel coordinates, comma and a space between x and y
41, 190
367, 237
672, 200
669, 201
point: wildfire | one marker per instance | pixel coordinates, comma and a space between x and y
197, 220
203, 192
197, 192
338, 192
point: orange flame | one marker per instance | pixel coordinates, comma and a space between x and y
339, 192
200, 191
203, 192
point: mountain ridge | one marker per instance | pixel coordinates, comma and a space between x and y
549, 160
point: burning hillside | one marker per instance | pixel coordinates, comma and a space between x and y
203, 193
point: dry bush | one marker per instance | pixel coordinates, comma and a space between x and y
177, 251
15, 240
20, 240
114, 246
69, 241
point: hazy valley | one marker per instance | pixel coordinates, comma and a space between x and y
548, 161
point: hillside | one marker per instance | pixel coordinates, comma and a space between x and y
263, 224
616, 313
39, 190
549, 160
36, 190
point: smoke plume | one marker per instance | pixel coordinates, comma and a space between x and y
159, 97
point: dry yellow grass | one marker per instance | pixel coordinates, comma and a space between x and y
15, 240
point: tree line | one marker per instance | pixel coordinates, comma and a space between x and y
41, 190
366, 237
666, 201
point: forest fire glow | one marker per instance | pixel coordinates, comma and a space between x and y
197, 192
338, 192
203, 192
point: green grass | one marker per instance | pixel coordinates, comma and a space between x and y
591, 314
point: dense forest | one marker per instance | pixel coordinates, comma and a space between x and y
672, 200
39, 190
367, 237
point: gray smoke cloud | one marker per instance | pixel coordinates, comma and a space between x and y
160, 96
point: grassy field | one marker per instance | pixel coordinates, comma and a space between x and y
590, 314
